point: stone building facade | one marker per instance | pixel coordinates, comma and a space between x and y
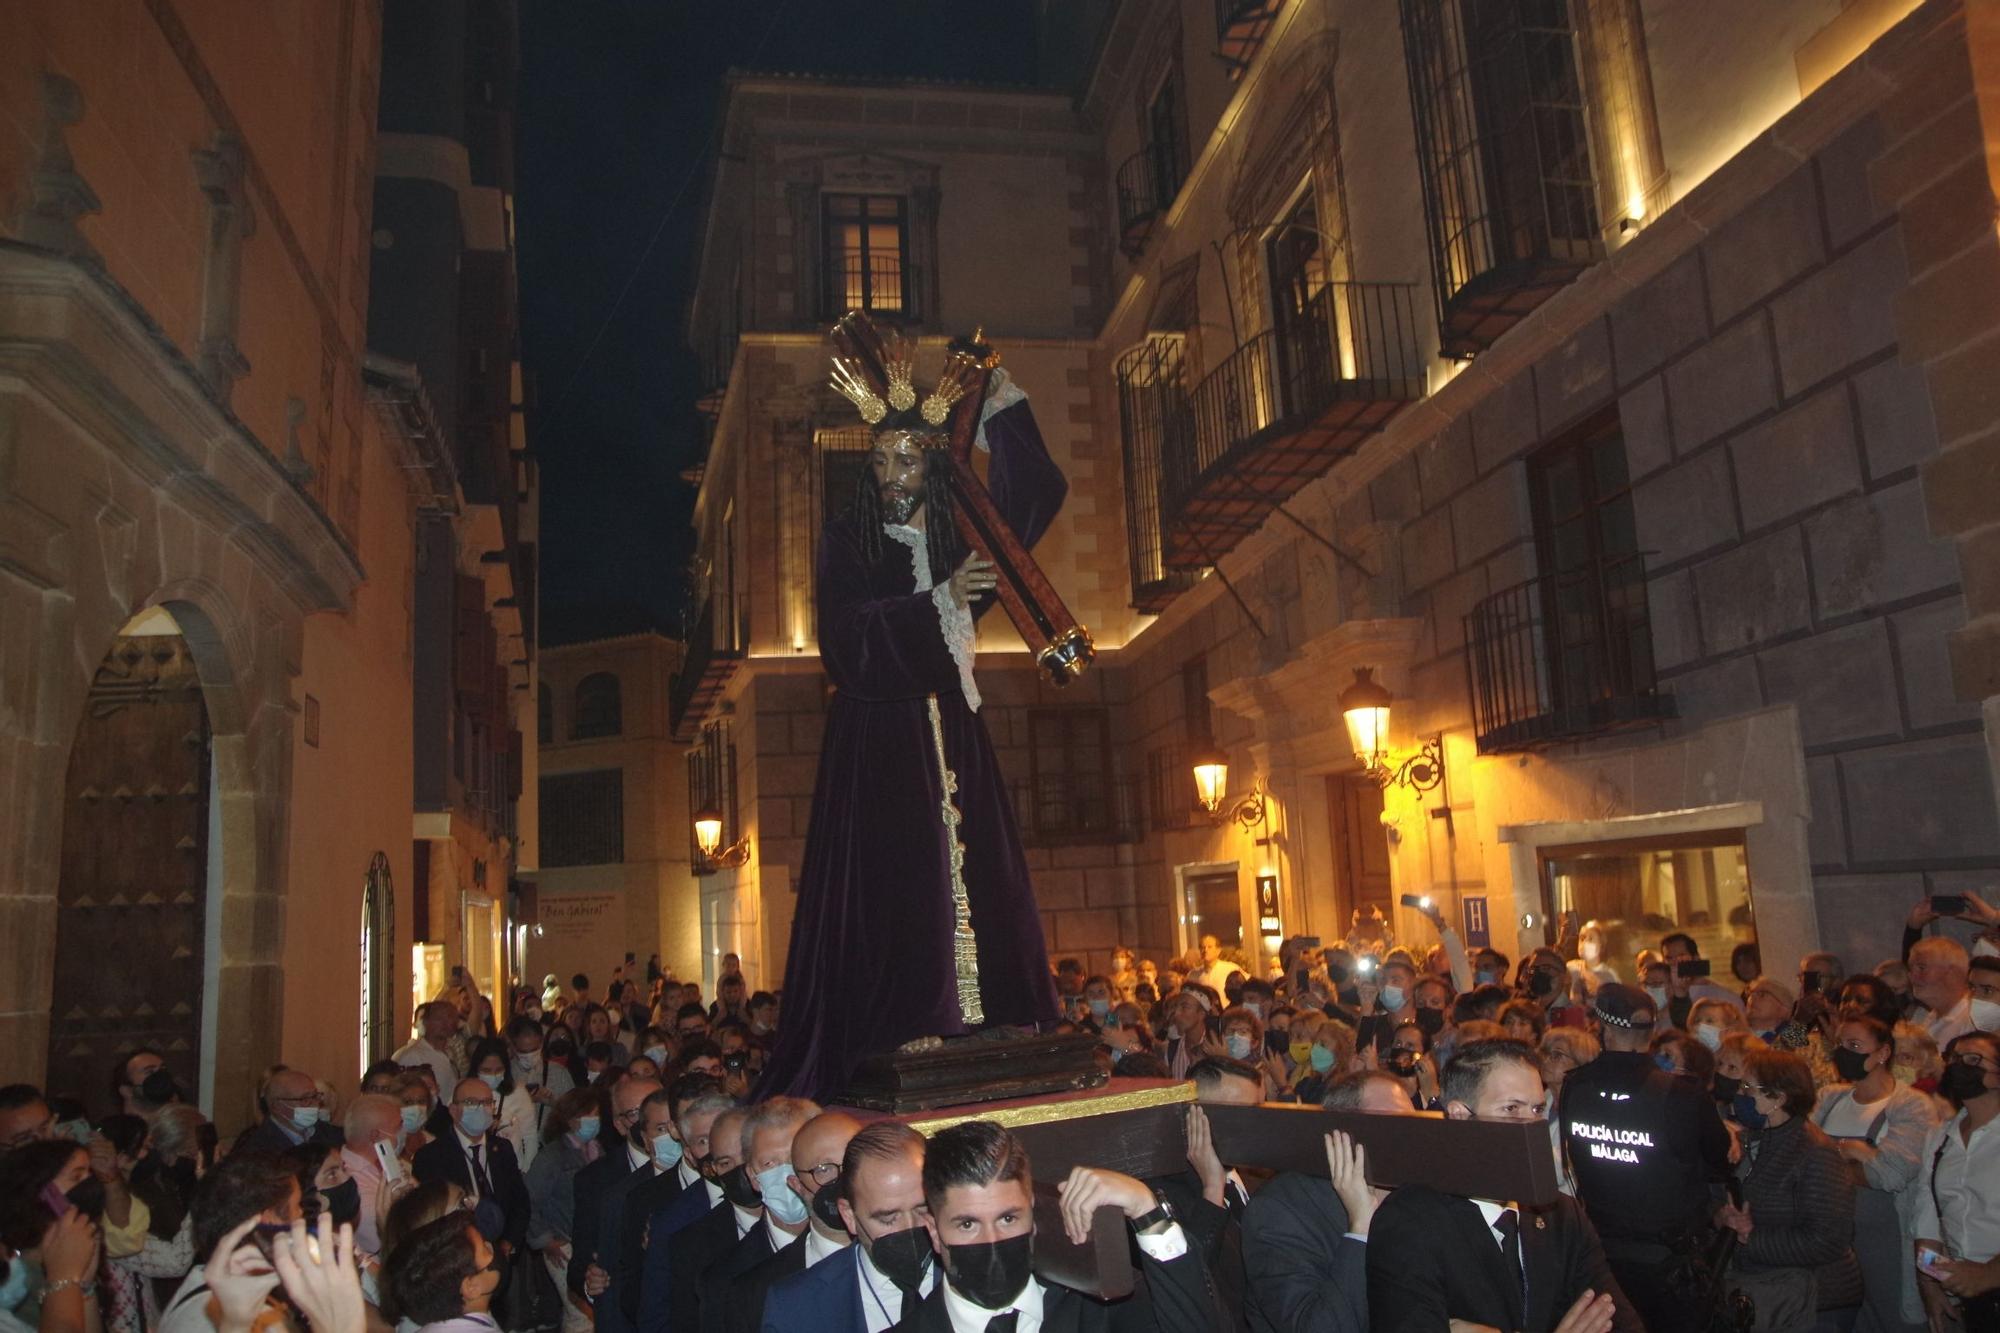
614, 857
1653, 487
208, 506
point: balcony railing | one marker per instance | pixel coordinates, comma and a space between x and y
1171, 799
1563, 657
1283, 409
1152, 405
1503, 146
715, 648
886, 286
1240, 28
1147, 183
1061, 811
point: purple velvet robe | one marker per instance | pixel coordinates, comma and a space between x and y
872, 962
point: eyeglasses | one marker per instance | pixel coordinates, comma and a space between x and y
825, 1173
1974, 1059
486, 1102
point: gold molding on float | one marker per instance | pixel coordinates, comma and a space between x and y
1079, 1107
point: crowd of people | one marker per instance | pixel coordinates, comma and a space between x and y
1755, 1152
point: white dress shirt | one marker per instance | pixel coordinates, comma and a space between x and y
1953, 1023
688, 1175
881, 1299
818, 1247
969, 1318
745, 1219
1958, 1192
485, 1146
366, 1173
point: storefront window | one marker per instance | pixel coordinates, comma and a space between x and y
1634, 893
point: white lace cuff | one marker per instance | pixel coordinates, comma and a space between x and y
954, 620
1001, 394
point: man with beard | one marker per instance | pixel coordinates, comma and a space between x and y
912, 852
980, 1199
885, 1274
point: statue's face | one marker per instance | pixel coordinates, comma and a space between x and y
897, 460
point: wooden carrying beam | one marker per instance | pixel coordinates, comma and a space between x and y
1101, 1267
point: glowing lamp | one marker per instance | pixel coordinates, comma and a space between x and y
708, 831
1365, 706
1211, 778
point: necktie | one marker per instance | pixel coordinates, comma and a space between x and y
1003, 1322
479, 1178
912, 1298
1508, 1224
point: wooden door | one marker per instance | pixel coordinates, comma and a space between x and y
131, 898
1360, 849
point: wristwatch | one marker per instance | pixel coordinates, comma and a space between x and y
1163, 1215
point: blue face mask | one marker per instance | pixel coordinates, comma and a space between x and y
667, 1151
476, 1119
780, 1200
14, 1289
586, 1129
305, 1117
1664, 1061
1099, 1009
1486, 976
413, 1118
1322, 1059
1746, 1111
1238, 1044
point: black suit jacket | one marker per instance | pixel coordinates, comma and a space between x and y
695, 1247
1174, 1297
719, 1281
444, 1159
1216, 1231
743, 1311
1303, 1273
637, 1209
266, 1137
588, 1190
1432, 1259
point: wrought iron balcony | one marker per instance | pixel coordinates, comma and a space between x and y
1152, 405
1503, 145
1240, 29
887, 286
1060, 811
1147, 184
1563, 657
1284, 408
714, 649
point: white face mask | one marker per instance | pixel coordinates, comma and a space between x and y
1659, 994
1709, 1035
1986, 947
1590, 951
1986, 1014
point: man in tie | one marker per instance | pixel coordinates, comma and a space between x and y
881, 1279
590, 1263
695, 1204
767, 1134
479, 1161
1436, 1258
981, 1220
694, 1247
813, 1174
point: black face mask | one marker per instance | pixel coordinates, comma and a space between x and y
343, 1201
87, 1195
1726, 1088
1541, 985
1961, 1083
1403, 1063
738, 1188
1852, 1066
1335, 974
990, 1274
903, 1256
1430, 1021
185, 1175
159, 1088
826, 1207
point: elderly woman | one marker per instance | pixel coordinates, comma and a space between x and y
569, 1143
1329, 1054
1563, 1050
1795, 1257
1712, 1019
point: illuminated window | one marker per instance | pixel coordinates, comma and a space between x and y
868, 255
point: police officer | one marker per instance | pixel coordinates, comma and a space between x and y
1644, 1147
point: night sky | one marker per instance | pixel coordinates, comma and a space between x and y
619, 106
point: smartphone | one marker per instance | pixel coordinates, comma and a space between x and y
392, 1165
1948, 904
1811, 983
1365, 966
56, 1201
1418, 901
1928, 1260
1691, 967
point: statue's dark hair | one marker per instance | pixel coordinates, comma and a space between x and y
946, 548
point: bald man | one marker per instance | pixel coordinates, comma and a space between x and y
815, 1177
768, 1133
294, 1113
476, 1159
624, 1152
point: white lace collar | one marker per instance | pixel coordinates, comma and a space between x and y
954, 619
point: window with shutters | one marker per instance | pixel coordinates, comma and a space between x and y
583, 818
867, 238
599, 708
1071, 794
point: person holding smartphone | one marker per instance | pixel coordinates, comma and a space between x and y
1957, 1222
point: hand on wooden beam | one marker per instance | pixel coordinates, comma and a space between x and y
1201, 1156
1090, 1188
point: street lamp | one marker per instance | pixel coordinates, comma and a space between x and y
1364, 706
1211, 781
708, 840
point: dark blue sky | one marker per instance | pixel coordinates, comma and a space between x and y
618, 104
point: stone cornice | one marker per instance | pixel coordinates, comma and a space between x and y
1301, 692
72, 337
